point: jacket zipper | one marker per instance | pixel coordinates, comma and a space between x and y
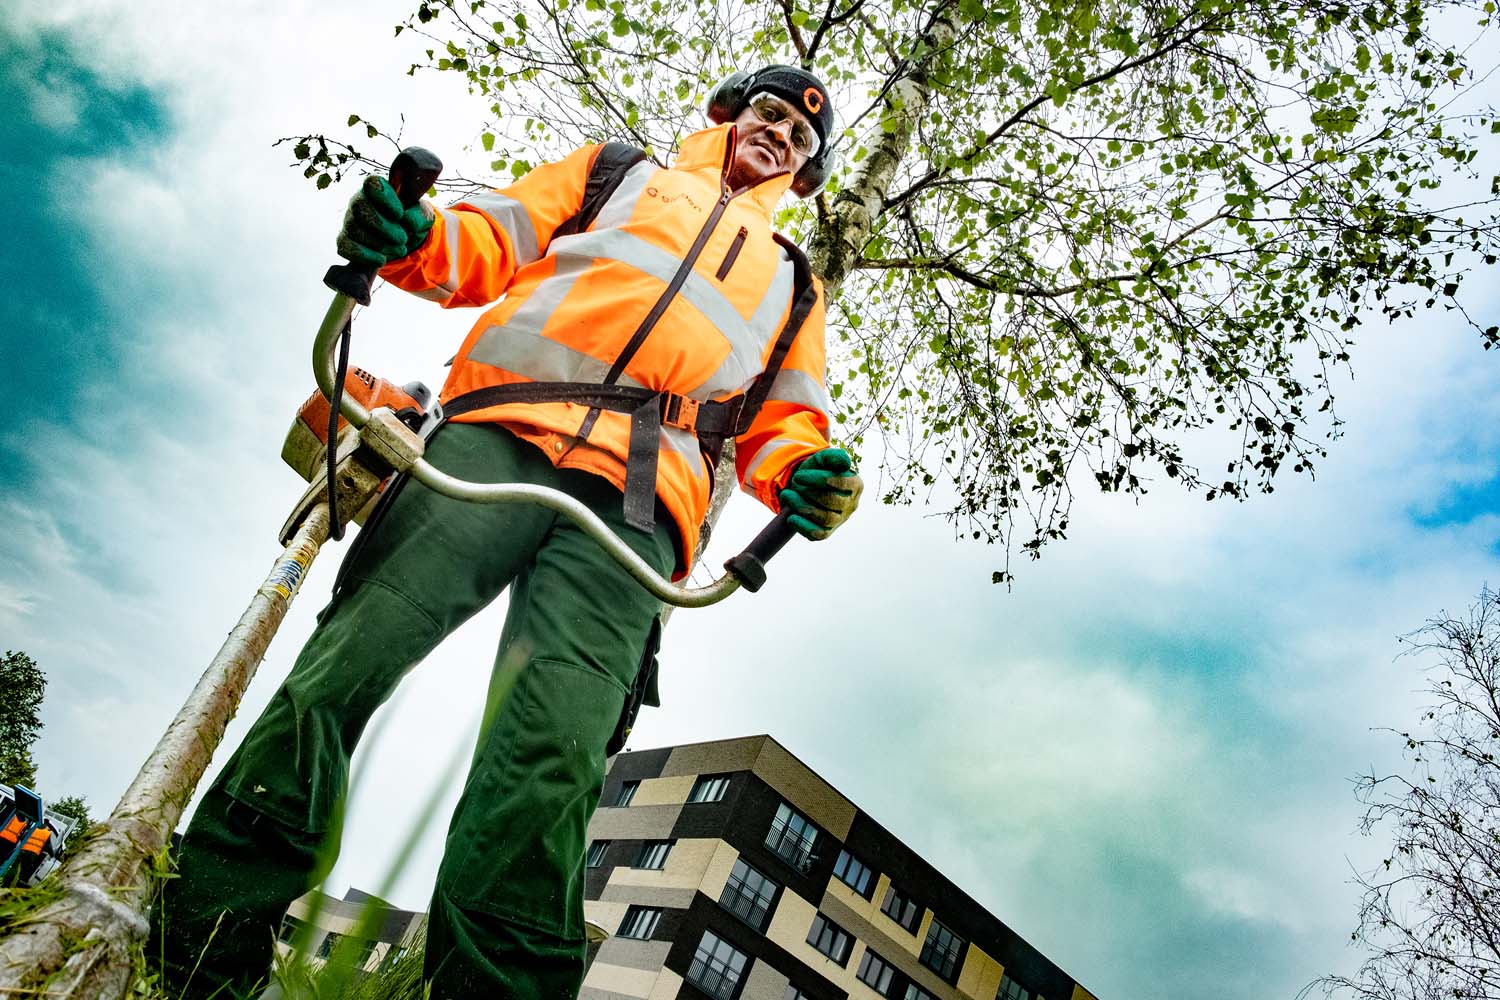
734, 251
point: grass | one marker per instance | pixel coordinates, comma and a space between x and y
297, 975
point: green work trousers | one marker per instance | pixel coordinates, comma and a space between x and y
506, 918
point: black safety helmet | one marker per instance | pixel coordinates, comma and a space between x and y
798, 88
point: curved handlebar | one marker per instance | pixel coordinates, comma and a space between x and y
746, 569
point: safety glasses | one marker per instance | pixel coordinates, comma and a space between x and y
771, 109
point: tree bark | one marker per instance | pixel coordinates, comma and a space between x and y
838, 243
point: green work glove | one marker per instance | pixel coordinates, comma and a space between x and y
377, 230
822, 493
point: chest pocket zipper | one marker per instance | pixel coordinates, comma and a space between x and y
734, 251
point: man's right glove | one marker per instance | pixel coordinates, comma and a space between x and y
377, 230
822, 493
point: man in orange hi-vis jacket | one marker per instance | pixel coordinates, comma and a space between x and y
645, 315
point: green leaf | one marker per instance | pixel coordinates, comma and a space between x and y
487, 140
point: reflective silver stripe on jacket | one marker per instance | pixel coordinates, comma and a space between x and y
800, 388
746, 358
765, 452
510, 215
519, 346
685, 443
648, 258
748, 340
444, 292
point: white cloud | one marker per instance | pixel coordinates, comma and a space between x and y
1054, 739
53, 103
1241, 895
14, 604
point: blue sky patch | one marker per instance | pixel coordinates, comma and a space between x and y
56, 335
1461, 503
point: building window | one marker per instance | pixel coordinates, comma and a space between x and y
829, 938
627, 792
876, 973
792, 993
941, 951
653, 854
356, 954
717, 967
791, 837
899, 907
596, 853
290, 928
915, 992
639, 922
748, 895
328, 944
1011, 990
710, 788
854, 874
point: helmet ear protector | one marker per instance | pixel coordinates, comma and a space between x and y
730, 98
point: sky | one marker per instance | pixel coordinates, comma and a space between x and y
1141, 757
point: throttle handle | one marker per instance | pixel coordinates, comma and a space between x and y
749, 567
412, 174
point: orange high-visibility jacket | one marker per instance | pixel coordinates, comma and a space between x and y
37, 841
12, 831
571, 304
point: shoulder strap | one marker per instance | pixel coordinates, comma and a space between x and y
804, 296
611, 164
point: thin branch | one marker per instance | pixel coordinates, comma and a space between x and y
830, 19
994, 136
793, 32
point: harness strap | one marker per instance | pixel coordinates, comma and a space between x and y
804, 297
649, 409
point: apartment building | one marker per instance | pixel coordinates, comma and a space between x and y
378, 934
731, 870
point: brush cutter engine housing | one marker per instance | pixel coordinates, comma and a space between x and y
306, 444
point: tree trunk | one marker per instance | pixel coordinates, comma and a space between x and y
839, 242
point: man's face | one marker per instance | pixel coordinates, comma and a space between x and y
773, 138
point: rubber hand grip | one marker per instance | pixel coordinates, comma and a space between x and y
412, 174
750, 565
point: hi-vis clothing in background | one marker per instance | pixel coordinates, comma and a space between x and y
677, 287
672, 258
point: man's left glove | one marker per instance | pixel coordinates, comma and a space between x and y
822, 493
377, 230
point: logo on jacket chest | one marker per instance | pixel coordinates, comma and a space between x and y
672, 197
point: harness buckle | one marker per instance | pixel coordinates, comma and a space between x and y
679, 411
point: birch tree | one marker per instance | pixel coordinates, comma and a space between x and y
1108, 245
